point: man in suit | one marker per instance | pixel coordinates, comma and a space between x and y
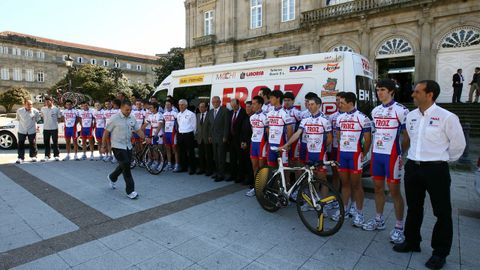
246, 140
201, 136
475, 86
457, 86
237, 166
218, 124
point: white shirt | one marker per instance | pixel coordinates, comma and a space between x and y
100, 120
170, 117
50, 117
316, 127
278, 120
434, 136
155, 119
187, 122
121, 128
86, 117
258, 121
70, 117
389, 122
27, 120
352, 126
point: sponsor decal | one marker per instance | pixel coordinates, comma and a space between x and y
225, 76
329, 88
276, 72
332, 67
249, 74
191, 79
301, 68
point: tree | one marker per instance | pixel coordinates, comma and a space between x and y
141, 91
13, 96
173, 61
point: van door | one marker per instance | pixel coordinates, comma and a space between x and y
365, 96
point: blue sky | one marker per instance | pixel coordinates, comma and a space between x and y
140, 26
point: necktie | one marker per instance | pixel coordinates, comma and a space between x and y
234, 119
201, 119
215, 113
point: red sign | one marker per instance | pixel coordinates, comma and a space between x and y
242, 93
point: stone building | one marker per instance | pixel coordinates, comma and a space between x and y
407, 40
37, 63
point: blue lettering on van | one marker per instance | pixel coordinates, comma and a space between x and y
301, 68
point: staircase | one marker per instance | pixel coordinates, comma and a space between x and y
467, 112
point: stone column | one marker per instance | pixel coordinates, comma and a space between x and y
423, 67
364, 35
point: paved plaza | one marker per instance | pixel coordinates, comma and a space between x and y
63, 215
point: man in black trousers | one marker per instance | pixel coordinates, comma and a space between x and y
237, 166
246, 140
201, 136
218, 124
457, 86
434, 138
187, 125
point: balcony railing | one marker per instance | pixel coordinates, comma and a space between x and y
352, 7
204, 40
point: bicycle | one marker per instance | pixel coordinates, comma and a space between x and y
316, 199
150, 157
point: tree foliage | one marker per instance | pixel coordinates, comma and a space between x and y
173, 61
141, 91
13, 96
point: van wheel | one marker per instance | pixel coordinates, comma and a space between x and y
7, 140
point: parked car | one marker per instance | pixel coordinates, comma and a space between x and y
9, 133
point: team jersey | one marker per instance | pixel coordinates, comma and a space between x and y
70, 117
389, 121
295, 114
86, 117
267, 107
139, 115
333, 122
100, 121
352, 125
146, 115
155, 119
277, 122
316, 127
170, 120
109, 113
258, 121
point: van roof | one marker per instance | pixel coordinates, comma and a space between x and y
270, 62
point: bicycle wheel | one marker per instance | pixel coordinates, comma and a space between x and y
327, 217
262, 191
156, 157
135, 154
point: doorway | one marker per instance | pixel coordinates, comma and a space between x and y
401, 70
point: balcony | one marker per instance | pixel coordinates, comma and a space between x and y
355, 8
204, 40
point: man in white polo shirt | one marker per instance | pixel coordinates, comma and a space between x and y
187, 125
435, 137
50, 114
27, 128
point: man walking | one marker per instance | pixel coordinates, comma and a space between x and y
434, 138
27, 127
218, 127
237, 166
119, 128
50, 114
204, 147
475, 86
187, 125
457, 86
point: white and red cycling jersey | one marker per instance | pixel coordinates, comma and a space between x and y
86, 117
146, 115
70, 117
352, 125
109, 113
100, 120
258, 121
389, 121
333, 122
278, 120
154, 120
139, 115
170, 118
316, 128
267, 107
295, 114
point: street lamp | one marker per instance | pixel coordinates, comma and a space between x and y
69, 63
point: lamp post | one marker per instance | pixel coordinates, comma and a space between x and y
69, 64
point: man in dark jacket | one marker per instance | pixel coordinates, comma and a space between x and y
218, 124
457, 86
475, 86
237, 116
246, 139
201, 137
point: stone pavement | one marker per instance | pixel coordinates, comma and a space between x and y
62, 215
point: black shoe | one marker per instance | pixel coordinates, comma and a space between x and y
215, 176
230, 179
200, 172
208, 174
191, 172
435, 262
406, 247
219, 179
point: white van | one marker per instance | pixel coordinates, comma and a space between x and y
324, 73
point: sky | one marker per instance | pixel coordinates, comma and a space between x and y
140, 26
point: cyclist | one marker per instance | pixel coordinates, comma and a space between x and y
304, 114
258, 146
295, 114
318, 134
100, 122
265, 94
353, 127
389, 122
86, 133
170, 137
139, 113
69, 117
279, 128
155, 120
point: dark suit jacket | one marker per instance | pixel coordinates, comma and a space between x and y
246, 132
218, 127
235, 128
476, 78
457, 82
201, 135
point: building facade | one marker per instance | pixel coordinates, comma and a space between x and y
407, 40
37, 63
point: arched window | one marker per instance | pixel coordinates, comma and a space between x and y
342, 48
394, 46
461, 37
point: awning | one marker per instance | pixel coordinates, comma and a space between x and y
401, 70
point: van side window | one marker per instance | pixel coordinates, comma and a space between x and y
365, 98
193, 94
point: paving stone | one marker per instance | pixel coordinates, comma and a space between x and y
107, 261
224, 260
166, 260
18, 240
197, 248
83, 253
52, 262
140, 251
121, 239
370, 263
313, 264
338, 253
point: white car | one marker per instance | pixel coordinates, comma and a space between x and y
9, 133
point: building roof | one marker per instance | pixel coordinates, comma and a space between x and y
78, 46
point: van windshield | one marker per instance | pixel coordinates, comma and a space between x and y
193, 94
365, 97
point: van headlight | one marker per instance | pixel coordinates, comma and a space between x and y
7, 127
